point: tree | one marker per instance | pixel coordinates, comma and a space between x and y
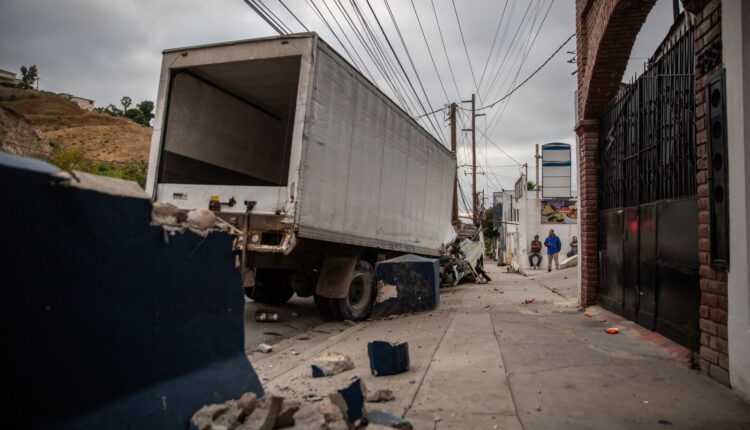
489, 230
530, 185
147, 107
137, 116
126, 102
29, 77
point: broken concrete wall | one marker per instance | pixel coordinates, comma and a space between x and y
108, 324
408, 283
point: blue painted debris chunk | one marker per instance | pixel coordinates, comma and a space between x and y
317, 372
351, 400
387, 419
408, 283
388, 358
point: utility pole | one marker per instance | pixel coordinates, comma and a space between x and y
453, 150
537, 157
474, 157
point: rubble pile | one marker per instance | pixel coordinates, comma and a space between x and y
175, 220
344, 409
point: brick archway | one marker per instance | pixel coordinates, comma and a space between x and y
605, 33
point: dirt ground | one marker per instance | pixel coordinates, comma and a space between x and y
515, 353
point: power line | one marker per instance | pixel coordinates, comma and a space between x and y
466, 50
293, 15
411, 61
445, 50
398, 60
437, 72
530, 76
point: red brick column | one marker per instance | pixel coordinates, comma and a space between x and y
588, 182
713, 284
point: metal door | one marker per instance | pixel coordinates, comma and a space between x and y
647, 200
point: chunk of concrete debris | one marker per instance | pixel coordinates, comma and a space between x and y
204, 418
331, 363
229, 419
201, 219
351, 400
314, 417
247, 403
383, 395
286, 414
167, 214
264, 348
265, 414
331, 412
387, 419
388, 358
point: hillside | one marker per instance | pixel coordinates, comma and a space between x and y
40, 120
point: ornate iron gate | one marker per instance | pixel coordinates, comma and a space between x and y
647, 205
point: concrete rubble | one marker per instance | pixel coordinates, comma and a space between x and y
276, 412
331, 363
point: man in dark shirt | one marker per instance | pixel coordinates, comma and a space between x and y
535, 252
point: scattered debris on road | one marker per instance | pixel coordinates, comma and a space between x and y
387, 419
351, 401
388, 358
613, 330
528, 301
264, 316
382, 395
264, 348
331, 363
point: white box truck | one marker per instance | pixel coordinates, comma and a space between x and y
322, 172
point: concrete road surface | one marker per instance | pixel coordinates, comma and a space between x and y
515, 353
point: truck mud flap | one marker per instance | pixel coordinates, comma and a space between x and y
108, 324
335, 276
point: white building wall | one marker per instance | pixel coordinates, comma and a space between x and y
736, 46
529, 224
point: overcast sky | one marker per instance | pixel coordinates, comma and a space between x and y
104, 50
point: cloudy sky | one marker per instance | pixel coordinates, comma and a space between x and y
103, 50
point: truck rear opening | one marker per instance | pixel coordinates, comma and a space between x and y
228, 124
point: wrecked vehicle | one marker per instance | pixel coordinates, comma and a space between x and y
320, 174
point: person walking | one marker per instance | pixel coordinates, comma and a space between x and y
553, 245
536, 252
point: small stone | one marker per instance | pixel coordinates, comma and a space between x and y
331, 412
264, 348
204, 418
247, 403
230, 419
295, 352
201, 219
538, 407
349, 323
309, 417
286, 414
384, 395
264, 416
331, 363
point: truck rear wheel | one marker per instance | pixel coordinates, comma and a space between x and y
323, 305
272, 287
358, 303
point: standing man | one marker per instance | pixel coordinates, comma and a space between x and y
553, 249
536, 252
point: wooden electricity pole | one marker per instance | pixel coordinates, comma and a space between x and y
453, 150
474, 159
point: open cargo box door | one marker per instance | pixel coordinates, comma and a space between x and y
228, 130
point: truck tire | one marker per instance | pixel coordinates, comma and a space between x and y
358, 303
272, 287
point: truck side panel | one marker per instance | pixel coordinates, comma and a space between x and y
371, 176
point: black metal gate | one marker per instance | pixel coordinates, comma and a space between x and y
648, 214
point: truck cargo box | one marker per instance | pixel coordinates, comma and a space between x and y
288, 123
